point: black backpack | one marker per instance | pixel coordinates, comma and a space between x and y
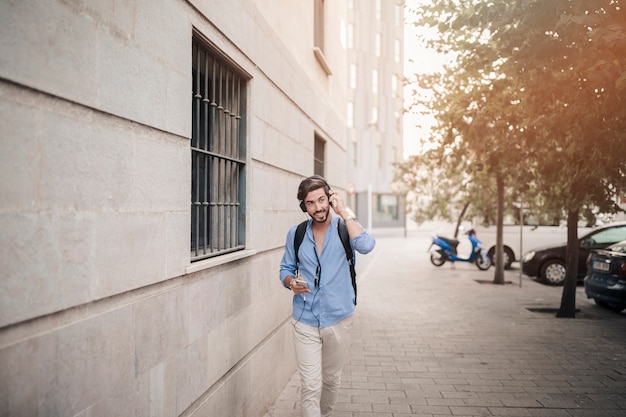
345, 240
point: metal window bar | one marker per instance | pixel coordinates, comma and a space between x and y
218, 156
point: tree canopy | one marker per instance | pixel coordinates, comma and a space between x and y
535, 99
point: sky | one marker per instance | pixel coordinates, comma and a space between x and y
416, 60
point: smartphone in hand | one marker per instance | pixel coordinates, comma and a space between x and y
302, 283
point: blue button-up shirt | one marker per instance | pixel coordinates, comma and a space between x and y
333, 299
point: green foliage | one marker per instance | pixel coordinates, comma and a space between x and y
536, 95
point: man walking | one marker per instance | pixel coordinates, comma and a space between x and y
324, 297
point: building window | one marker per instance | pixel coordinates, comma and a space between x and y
318, 155
374, 115
394, 85
318, 36
374, 81
353, 154
385, 207
398, 15
218, 154
378, 44
398, 118
350, 36
379, 9
319, 24
350, 114
352, 75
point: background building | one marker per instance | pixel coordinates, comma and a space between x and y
151, 153
375, 51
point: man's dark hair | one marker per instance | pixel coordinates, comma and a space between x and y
310, 184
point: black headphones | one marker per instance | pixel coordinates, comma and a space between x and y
300, 189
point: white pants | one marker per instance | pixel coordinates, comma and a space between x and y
320, 353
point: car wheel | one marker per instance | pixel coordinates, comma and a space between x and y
610, 306
509, 257
553, 272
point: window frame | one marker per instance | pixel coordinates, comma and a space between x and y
350, 114
319, 35
318, 31
319, 155
375, 78
218, 153
352, 76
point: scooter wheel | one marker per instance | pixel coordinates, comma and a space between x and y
437, 259
483, 262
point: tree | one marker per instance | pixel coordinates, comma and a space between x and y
578, 87
442, 186
546, 79
474, 106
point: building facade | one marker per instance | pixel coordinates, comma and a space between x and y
151, 153
375, 51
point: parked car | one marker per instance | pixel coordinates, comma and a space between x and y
606, 276
515, 237
531, 235
548, 264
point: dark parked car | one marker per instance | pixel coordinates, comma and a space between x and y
606, 276
548, 264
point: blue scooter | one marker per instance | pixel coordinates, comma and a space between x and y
447, 251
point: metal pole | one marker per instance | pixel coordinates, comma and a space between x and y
521, 232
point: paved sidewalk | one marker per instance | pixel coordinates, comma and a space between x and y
431, 341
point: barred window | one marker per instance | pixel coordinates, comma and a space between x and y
218, 148
319, 154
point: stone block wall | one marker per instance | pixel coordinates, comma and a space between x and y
102, 312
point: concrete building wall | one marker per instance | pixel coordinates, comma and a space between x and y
102, 313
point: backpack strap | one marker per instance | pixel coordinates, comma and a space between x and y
297, 240
342, 230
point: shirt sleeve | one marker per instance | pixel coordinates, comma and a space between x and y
363, 243
288, 262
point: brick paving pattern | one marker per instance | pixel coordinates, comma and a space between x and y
445, 341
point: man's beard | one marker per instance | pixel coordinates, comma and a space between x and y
318, 219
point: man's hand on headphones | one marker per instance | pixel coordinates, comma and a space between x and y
340, 208
336, 203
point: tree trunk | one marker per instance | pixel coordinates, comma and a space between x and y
460, 219
499, 258
568, 298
